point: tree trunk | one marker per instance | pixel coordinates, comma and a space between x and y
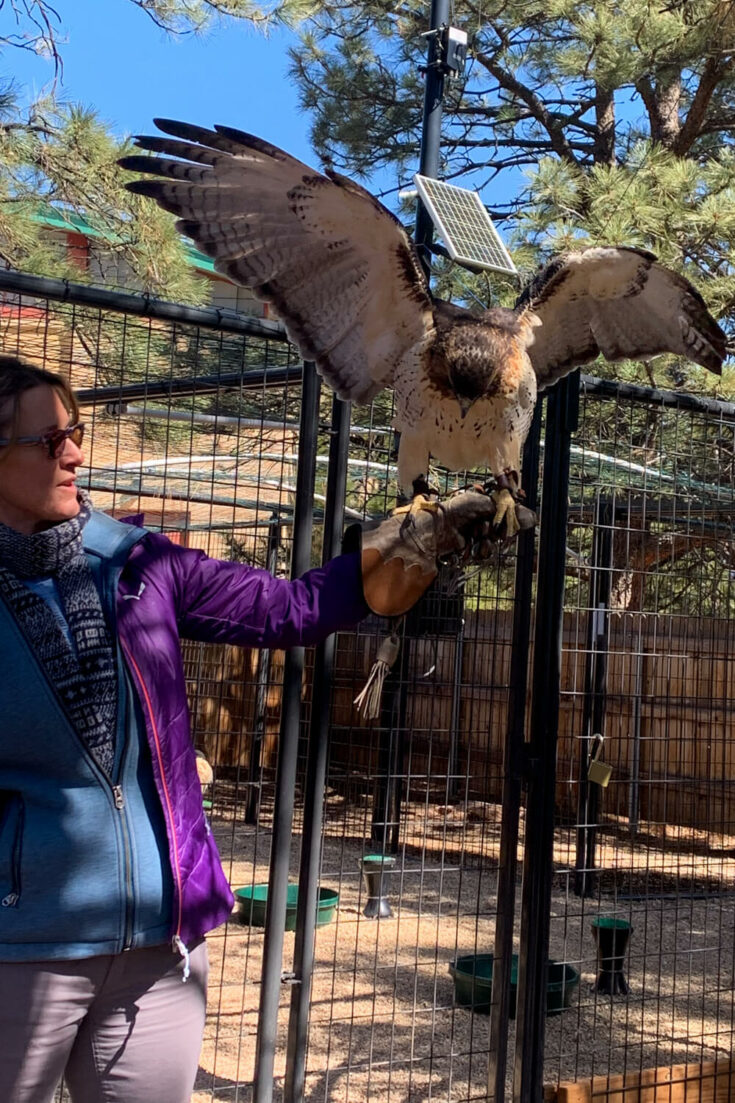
605, 134
640, 550
668, 95
662, 103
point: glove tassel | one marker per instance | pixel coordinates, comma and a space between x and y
368, 700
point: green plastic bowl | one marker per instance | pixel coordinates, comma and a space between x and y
611, 923
473, 983
251, 902
376, 861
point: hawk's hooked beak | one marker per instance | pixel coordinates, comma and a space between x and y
465, 404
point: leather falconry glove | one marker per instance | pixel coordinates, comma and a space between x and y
401, 557
401, 554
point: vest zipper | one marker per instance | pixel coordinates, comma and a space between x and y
12, 898
119, 798
109, 588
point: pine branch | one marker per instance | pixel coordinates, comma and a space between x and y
715, 69
536, 106
41, 15
181, 17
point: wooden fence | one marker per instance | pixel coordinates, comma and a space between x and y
669, 720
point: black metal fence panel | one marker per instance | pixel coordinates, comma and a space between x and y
195, 431
643, 903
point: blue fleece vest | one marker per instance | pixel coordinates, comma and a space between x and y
83, 858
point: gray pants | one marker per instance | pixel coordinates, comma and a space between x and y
119, 1028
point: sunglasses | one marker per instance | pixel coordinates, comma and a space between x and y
53, 441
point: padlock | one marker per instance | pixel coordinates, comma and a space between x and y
599, 772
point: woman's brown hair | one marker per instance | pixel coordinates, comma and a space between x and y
16, 377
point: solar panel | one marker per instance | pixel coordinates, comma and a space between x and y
464, 225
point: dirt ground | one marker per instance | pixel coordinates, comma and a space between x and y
383, 1023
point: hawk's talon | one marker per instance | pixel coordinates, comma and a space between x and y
452, 559
505, 492
421, 487
424, 497
508, 480
505, 511
418, 503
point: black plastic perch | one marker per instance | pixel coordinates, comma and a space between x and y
611, 936
376, 870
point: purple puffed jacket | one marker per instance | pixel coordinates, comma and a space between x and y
166, 592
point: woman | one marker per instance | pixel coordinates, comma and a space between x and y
109, 877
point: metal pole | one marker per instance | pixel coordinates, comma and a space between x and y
583, 796
387, 795
316, 774
561, 419
275, 916
145, 306
117, 396
455, 717
262, 677
431, 130
513, 778
635, 766
386, 819
593, 716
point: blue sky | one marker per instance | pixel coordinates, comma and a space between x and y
118, 61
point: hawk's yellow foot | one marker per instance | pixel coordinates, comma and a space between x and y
505, 511
418, 503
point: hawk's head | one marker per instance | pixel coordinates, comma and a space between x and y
474, 351
471, 379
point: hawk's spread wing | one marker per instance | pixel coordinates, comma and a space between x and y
618, 302
339, 268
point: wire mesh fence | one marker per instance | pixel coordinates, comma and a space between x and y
643, 864
196, 430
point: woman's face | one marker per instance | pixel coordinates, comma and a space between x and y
35, 490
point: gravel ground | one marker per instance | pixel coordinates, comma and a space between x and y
383, 1024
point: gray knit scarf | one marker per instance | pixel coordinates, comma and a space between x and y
85, 681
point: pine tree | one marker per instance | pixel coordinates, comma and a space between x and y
593, 122
59, 156
607, 121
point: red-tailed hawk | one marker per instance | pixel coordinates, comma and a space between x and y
346, 281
